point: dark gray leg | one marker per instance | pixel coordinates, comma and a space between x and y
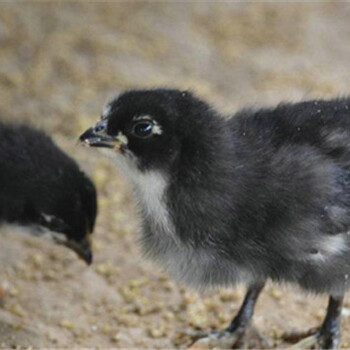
232, 335
328, 336
245, 313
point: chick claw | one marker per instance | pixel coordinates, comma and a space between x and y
227, 339
306, 343
221, 340
317, 342
314, 339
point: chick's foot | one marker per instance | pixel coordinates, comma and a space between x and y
328, 336
220, 339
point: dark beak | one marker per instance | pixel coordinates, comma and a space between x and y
97, 136
82, 248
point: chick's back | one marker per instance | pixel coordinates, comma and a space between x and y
295, 182
35, 173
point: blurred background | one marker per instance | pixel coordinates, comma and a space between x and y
60, 62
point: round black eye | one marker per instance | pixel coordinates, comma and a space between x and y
143, 129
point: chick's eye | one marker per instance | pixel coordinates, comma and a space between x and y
142, 129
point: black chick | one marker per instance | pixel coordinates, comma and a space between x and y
41, 187
263, 195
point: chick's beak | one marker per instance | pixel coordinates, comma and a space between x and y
97, 136
82, 248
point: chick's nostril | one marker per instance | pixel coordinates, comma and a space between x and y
99, 128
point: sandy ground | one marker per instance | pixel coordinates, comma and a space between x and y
59, 63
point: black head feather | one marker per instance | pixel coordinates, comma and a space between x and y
156, 123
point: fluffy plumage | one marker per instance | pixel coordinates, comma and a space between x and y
264, 194
40, 186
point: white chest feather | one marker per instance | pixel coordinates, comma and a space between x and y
149, 187
150, 190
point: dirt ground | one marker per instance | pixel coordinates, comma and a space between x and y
59, 63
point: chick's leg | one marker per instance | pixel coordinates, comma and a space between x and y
328, 336
245, 314
232, 335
